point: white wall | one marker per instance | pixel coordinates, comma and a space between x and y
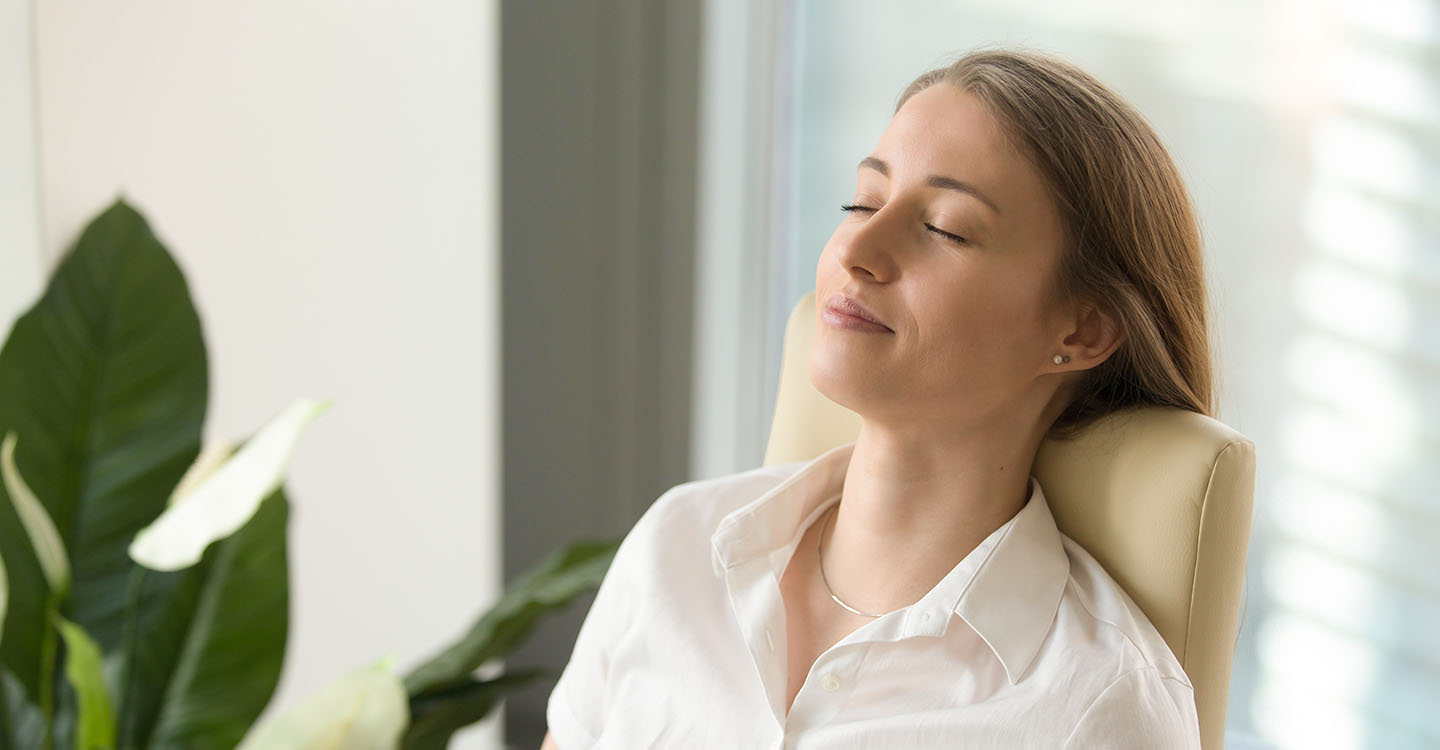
325, 173
19, 225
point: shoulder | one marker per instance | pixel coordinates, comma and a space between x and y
1138, 694
1141, 708
701, 504
685, 516
1114, 621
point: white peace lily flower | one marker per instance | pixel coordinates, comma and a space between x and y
362, 710
226, 498
211, 458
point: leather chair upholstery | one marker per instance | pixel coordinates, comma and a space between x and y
1160, 496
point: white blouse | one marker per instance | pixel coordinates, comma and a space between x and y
1026, 643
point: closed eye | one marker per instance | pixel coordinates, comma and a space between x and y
952, 237
852, 208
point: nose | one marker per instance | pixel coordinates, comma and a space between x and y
869, 245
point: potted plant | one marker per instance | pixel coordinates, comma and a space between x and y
143, 581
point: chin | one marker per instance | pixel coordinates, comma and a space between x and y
853, 385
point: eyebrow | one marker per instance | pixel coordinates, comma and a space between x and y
935, 180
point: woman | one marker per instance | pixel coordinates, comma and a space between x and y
1019, 257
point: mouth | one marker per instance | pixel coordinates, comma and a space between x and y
842, 305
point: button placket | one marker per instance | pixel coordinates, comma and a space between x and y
832, 678
835, 672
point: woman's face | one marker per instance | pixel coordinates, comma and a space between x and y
951, 244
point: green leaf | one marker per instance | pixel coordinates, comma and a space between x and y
550, 585
104, 380
437, 715
364, 709
208, 646
24, 721
226, 497
49, 550
96, 718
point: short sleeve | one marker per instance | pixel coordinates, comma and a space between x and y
577, 706
1141, 709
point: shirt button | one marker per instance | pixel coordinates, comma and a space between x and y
830, 682
924, 617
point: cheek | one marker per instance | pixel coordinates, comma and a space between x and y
827, 269
827, 253
989, 324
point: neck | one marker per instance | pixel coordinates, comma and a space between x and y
915, 504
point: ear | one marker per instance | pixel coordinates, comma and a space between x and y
1095, 334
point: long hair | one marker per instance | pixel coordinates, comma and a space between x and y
1132, 244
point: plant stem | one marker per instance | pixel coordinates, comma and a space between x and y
47, 671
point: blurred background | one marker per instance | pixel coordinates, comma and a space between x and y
540, 253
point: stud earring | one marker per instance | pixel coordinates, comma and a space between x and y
1060, 360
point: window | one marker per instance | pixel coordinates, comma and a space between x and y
1309, 135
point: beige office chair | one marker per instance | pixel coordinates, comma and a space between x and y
1160, 496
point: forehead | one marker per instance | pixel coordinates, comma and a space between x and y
945, 131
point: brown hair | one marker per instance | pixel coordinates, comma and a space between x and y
1132, 242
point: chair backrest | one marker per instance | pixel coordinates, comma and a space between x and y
1160, 496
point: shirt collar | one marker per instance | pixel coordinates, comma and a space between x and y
1007, 589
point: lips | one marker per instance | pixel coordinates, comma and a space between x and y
845, 305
